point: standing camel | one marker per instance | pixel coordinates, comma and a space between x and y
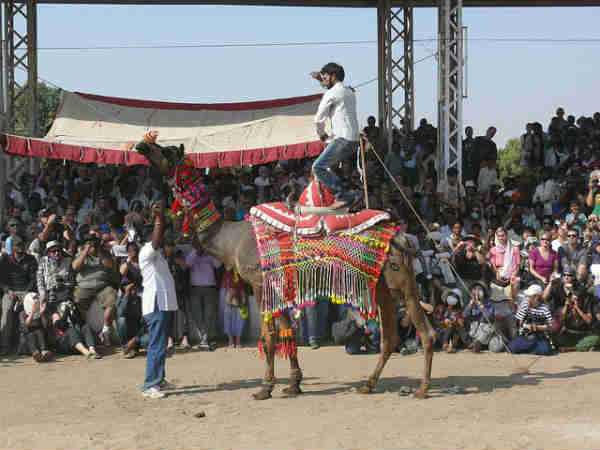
234, 244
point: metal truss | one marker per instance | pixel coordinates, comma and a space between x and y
20, 52
450, 86
396, 71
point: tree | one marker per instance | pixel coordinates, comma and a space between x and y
509, 158
48, 101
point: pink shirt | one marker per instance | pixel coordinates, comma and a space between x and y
496, 257
544, 267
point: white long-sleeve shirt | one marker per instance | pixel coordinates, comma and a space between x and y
159, 285
339, 105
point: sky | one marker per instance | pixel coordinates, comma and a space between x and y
509, 83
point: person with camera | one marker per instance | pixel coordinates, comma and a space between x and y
33, 323
158, 299
71, 333
576, 328
97, 276
534, 321
55, 277
18, 276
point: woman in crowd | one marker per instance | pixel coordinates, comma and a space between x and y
505, 260
543, 261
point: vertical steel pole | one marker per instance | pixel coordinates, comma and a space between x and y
32, 72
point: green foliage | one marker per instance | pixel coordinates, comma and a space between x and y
508, 159
48, 101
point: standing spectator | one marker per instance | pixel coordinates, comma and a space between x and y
158, 299
535, 323
468, 147
204, 296
234, 295
527, 147
484, 149
488, 176
18, 276
181, 275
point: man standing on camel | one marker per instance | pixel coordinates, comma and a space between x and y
339, 105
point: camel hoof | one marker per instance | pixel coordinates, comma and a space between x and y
263, 394
421, 394
292, 391
365, 389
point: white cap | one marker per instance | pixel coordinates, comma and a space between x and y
457, 291
451, 300
469, 183
532, 290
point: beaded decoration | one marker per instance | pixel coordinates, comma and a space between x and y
192, 199
343, 267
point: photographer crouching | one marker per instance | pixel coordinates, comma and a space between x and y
576, 323
535, 324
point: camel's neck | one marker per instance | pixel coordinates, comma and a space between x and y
222, 240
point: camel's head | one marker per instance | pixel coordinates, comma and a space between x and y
165, 159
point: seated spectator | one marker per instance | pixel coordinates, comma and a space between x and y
543, 261
468, 259
561, 238
55, 277
131, 327
449, 320
71, 335
576, 330
450, 190
575, 218
97, 276
33, 324
573, 255
534, 321
18, 276
505, 261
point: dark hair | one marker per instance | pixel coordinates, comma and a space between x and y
452, 172
334, 69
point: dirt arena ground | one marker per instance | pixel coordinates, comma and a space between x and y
78, 404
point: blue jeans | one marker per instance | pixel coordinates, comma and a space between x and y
316, 320
537, 346
158, 324
337, 150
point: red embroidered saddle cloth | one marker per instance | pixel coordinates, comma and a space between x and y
281, 217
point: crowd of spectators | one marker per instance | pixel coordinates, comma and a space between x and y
508, 264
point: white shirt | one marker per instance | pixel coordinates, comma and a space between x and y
159, 285
339, 105
487, 177
451, 193
546, 193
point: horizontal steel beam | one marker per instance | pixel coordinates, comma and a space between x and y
330, 3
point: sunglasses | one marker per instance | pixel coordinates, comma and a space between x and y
568, 275
572, 235
544, 239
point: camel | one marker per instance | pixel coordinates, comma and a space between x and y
234, 244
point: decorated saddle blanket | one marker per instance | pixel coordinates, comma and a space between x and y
281, 217
342, 266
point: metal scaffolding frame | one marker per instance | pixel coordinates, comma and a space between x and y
395, 71
450, 86
20, 53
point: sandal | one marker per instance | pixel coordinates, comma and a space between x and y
47, 355
37, 356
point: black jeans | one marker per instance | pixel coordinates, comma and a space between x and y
35, 341
73, 336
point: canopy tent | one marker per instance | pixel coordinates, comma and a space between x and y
92, 128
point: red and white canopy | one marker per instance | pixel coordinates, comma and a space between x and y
93, 128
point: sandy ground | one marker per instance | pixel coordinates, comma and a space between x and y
78, 404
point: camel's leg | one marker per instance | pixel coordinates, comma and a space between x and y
293, 388
389, 336
269, 338
426, 331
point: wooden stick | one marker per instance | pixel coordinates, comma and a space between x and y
364, 166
